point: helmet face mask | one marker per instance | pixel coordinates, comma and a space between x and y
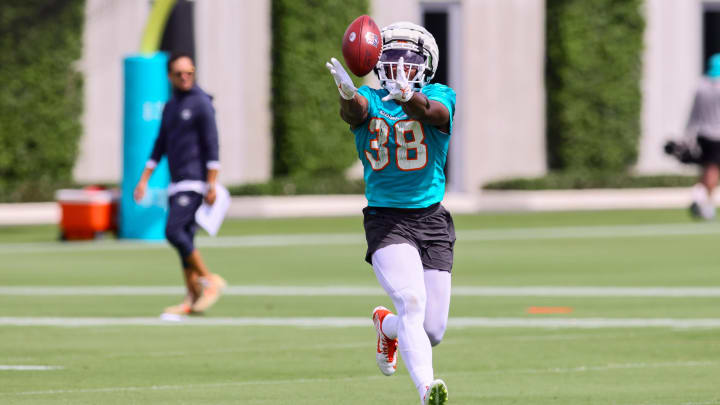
416, 46
413, 62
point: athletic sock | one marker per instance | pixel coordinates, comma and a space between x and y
389, 326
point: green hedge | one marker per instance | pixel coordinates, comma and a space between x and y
309, 136
593, 76
302, 185
40, 96
575, 180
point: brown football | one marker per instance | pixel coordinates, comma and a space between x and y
362, 45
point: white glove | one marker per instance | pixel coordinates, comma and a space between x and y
399, 89
345, 85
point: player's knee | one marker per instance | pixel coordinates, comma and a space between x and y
413, 303
435, 333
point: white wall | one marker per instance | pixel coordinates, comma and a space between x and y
386, 12
233, 60
502, 100
113, 29
671, 71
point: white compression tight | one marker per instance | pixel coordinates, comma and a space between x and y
422, 301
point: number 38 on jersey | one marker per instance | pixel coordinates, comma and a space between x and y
410, 151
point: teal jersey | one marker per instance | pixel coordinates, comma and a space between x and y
403, 159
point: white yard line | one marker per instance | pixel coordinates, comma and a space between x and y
5, 367
711, 402
624, 366
585, 323
322, 348
552, 291
183, 321
333, 322
539, 291
600, 231
529, 234
590, 368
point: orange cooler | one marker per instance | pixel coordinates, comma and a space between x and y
86, 213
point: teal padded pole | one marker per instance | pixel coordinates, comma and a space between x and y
147, 89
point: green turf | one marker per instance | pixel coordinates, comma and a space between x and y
262, 366
182, 364
352, 306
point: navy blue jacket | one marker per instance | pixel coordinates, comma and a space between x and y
188, 135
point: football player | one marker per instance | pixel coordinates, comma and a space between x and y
402, 132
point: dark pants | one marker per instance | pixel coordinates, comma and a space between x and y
710, 150
430, 230
181, 226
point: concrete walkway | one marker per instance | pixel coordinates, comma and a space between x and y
341, 205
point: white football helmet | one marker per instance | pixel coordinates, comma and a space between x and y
415, 45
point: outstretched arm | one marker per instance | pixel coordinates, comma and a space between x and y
353, 106
355, 110
428, 111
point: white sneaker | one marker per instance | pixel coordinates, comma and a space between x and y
702, 206
702, 211
211, 291
436, 393
386, 355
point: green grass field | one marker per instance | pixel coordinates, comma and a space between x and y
294, 327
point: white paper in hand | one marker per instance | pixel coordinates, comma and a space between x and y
210, 217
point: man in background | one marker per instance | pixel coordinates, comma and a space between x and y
703, 132
188, 137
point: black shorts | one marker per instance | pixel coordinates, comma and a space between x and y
430, 230
710, 150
